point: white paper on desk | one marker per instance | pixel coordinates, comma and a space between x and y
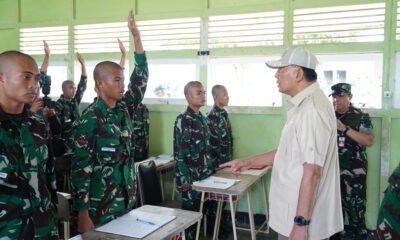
128, 225
216, 182
252, 172
161, 161
165, 157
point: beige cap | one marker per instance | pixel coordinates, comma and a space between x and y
295, 56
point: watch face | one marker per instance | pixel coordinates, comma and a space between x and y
301, 221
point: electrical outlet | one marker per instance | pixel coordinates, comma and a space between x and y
387, 94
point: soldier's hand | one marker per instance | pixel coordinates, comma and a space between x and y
49, 112
121, 47
85, 224
80, 58
46, 48
132, 24
340, 126
36, 105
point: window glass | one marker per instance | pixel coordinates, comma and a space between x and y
362, 71
168, 78
248, 80
396, 96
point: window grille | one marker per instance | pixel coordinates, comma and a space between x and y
31, 39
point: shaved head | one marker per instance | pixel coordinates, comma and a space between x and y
216, 90
103, 70
189, 86
8, 60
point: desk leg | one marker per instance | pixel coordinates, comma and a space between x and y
217, 220
201, 211
251, 217
233, 217
162, 185
173, 188
265, 201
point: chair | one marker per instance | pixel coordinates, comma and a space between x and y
150, 188
63, 168
63, 211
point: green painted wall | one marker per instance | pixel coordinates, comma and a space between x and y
255, 129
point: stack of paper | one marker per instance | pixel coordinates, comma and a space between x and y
136, 224
254, 171
216, 182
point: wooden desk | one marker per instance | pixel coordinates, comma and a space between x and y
233, 194
161, 169
183, 220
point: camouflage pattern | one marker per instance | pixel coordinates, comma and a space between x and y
68, 110
141, 125
388, 226
192, 159
353, 171
221, 135
27, 179
103, 170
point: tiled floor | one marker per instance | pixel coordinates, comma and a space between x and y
245, 235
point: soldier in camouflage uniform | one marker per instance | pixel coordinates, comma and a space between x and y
103, 169
141, 125
220, 127
27, 179
388, 226
354, 134
68, 104
191, 150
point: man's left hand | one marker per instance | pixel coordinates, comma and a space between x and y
299, 233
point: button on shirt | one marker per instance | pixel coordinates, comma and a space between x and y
309, 136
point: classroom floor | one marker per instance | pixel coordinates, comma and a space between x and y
245, 235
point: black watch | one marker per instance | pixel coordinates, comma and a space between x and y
301, 221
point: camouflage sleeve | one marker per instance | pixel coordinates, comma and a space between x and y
138, 82
82, 160
181, 151
366, 124
81, 89
214, 125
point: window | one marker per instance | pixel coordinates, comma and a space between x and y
100, 38
170, 34
31, 39
246, 30
168, 78
339, 24
362, 71
248, 80
398, 21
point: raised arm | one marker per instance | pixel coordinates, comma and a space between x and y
123, 53
135, 33
46, 59
138, 80
83, 81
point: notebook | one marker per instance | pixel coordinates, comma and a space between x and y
136, 224
216, 182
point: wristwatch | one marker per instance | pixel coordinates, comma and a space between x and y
301, 221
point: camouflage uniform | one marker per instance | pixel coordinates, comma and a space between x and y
221, 135
141, 124
353, 171
192, 159
68, 111
103, 169
27, 180
388, 226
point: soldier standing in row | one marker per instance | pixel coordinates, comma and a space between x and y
388, 226
354, 133
220, 127
27, 179
141, 127
191, 150
103, 169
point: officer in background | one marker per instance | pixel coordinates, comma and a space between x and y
103, 169
27, 179
191, 150
220, 127
354, 133
141, 127
388, 226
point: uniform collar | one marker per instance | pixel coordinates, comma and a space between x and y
303, 94
6, 116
